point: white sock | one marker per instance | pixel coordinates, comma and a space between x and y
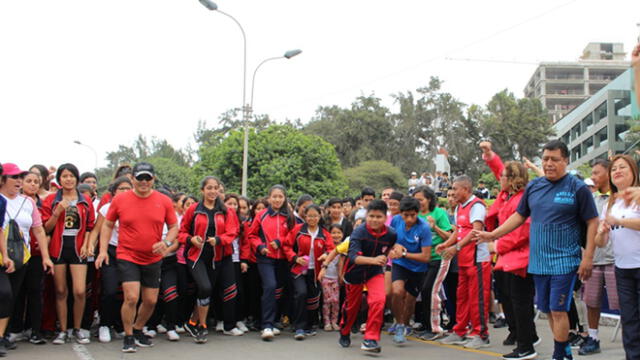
593, 333
500, 315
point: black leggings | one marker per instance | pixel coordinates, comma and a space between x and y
206, 274
167, 306
187, 291
253, 293
111, 293
306, 300
10, 284
29, 298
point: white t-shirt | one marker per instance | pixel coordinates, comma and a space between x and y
235, 257
312, 258
114, 234
626, 242
332, 269
25, 212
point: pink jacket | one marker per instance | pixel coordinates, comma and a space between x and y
513, 248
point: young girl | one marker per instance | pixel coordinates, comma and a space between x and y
208, 228
252, 283
268, 231
331, 285
232, 202
305, 248
69, 217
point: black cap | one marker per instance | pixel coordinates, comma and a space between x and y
143, 168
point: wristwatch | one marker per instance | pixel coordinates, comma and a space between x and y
167, 242
458, 247
404, 253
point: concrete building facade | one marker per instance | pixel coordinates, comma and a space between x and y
599, 124
562, 86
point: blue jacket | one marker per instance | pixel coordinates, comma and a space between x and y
365, 242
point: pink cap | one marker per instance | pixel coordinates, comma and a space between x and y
11, 169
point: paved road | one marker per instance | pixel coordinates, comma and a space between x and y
323, 346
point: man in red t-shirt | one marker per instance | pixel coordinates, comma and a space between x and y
142, 214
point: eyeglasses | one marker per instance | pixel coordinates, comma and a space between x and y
144, 177
15, 177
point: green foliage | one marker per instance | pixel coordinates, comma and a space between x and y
375, 174
584, 170
279, 154
173, 176
489, 180
517, 128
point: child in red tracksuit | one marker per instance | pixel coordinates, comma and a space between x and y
305, 248
368, 249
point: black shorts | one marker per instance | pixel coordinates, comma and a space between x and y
69, 255
412, 280
147, 275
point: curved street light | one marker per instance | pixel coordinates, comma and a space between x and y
288, 55
95, 154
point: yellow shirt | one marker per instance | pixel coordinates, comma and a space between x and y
343, 247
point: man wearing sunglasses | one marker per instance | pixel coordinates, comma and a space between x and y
142, 214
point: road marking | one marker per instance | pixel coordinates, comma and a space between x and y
455, 347
82, 352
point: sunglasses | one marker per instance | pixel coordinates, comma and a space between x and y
15, 177
144, 177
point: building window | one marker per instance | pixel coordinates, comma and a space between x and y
602, 135
622, 106
576, 153
575, 132
566, 138
601, 111
587, 145
587, 122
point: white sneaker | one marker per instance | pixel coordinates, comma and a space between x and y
149, 333
17, 337
161, 329
276, 331
180, 329
172, 335
233, 332
267, 334
220, 326
61, 338
104, 334
240, 325
81, 337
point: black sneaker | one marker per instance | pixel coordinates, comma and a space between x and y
3, 349
345, 341
37, 339
500, 323
8, 344
201, 335
510, 340
129, 344
577, 341
192, 330
517, 355
370, 346
141, 339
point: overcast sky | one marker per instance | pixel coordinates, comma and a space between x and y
102, 72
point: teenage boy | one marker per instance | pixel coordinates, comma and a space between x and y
336, 216
142, 214
369, 247
366, 196
407, 272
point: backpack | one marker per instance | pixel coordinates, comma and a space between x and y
16, 246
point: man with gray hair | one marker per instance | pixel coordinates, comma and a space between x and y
474, 268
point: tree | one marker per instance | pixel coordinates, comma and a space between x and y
279, 154
517, 127
376, 174
362, 132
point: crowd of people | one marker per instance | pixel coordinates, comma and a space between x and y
140, 260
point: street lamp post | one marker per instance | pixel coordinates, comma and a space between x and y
246, 108
245, 118
95, 154
288, 55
